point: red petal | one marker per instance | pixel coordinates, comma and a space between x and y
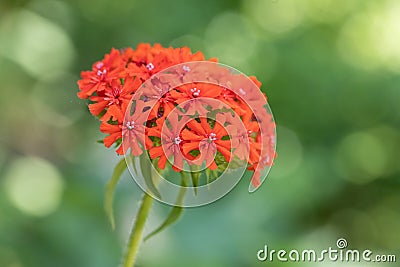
187, 147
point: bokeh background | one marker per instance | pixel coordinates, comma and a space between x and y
331, 70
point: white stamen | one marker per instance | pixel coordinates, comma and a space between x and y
195, 91
150, 66
186, 68
241, 91
130, 125
99, 72
212, 136
177, 140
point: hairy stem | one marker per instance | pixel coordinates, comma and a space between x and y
137, 231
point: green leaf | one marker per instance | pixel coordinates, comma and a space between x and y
147, 172
215, 175
110, 190
173, 216
211, 176
175, 213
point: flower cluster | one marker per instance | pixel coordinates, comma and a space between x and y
113, 81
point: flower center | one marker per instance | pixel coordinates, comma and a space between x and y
177, 140
101, 73
195, 92
212, 137
150, 66
116, 92
130, 125
113, 96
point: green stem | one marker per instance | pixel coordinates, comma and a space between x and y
137, 231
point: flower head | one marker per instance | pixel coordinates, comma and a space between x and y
176, 115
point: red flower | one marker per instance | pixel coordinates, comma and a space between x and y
142, 53
207, 140
117, 94
159, 98
184, 54
171, 142
102, 73
132, 130
147, 60
197, 92
231, 100
163, 106
245, 141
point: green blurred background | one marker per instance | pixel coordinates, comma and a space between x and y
331, 70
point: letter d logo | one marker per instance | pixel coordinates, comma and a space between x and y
262, 254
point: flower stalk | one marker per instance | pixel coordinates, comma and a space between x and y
137, 231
